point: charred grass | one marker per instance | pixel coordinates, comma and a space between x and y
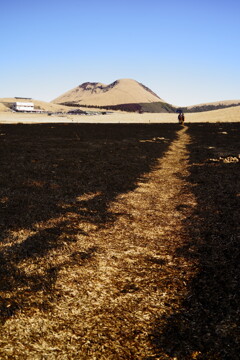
56, 186
207, 324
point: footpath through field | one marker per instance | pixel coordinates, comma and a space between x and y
110, 297
133, 277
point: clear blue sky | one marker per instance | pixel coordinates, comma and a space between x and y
188, 52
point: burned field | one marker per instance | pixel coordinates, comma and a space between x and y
119, 241
207, 324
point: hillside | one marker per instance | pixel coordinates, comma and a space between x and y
124, 91
211, 106
6, 103
131, 96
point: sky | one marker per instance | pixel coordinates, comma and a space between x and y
188, 52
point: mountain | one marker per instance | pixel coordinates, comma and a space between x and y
123, 91
212, 106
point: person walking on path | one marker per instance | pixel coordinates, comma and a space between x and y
181, 118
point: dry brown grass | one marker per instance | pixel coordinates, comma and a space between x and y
115, 242
123, 91
223, 115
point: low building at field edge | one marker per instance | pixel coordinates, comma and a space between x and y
23, 106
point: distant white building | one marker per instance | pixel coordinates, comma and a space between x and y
23, 106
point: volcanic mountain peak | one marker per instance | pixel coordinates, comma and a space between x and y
91, 86
123, 91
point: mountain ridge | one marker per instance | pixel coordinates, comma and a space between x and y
122, 91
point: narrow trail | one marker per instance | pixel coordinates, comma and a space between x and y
134, 276
129, 275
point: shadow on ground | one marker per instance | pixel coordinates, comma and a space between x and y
207, 324
65, 172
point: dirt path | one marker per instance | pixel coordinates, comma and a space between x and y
127, 277
134, 276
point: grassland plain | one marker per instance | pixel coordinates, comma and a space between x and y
231, 114
119, 241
